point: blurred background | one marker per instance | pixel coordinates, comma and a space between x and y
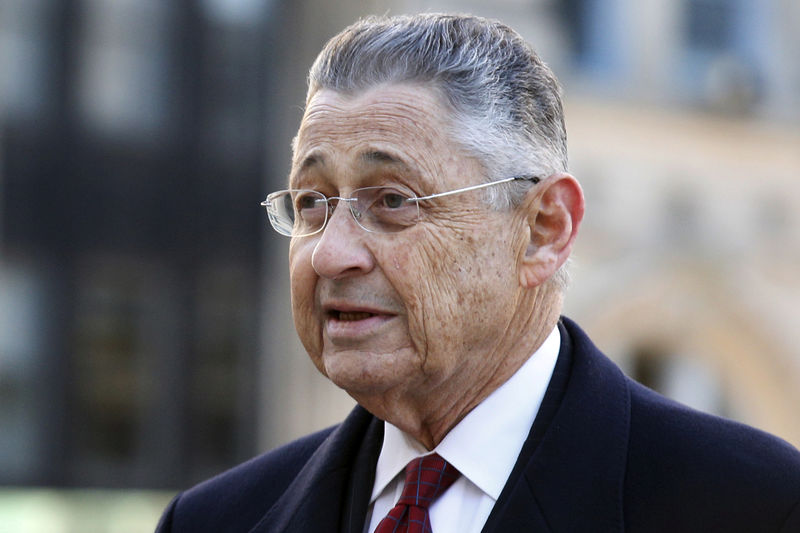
145, 332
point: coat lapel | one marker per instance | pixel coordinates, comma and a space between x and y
571, 472
362, 479
319, 498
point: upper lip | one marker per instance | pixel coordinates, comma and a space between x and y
345, 307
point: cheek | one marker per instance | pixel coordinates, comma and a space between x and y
437, 286
303, 285
459, 290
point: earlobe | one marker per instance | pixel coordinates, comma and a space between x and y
555, 210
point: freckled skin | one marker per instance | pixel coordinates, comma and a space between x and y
460, 321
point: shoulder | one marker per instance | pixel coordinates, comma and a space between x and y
664, 431
244, 493
678, 455
271, 471
685, 470
680, 432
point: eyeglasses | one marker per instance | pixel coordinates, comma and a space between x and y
303, 212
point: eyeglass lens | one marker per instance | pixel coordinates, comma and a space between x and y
375, 209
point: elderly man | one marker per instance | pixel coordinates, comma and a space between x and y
431, 215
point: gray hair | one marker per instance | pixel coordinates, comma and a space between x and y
505, 102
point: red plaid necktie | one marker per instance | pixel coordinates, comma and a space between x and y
426, 478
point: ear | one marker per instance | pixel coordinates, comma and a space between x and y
555, 210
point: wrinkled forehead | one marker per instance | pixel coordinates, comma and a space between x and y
391, 111
398, 124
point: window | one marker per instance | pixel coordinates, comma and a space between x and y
24, 57
122, 77
710, 24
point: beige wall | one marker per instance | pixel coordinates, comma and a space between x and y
715, 278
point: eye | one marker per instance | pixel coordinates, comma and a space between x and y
307, 200
385, 209
392, 199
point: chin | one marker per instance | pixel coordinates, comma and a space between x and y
357, 376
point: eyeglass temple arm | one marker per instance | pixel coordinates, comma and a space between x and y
532, 179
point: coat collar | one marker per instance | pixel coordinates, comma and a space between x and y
319, 499
572, 479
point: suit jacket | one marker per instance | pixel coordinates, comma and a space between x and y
604, 454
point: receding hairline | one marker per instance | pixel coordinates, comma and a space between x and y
446, 113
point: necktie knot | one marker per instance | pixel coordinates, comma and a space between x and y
427, 478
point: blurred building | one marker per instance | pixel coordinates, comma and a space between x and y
685, 131
132, 137
145, 332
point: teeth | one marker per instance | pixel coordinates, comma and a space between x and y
356, 315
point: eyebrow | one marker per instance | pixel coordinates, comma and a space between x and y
369, 158
311, 160
379, 157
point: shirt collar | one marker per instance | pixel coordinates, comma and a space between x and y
485, 444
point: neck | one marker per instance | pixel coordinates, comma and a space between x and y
430, 417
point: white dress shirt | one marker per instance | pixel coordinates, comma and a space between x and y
483, 446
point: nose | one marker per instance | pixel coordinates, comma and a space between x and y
341, 250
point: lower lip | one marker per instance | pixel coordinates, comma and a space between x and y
355, 329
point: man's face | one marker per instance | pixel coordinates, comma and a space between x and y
417, 313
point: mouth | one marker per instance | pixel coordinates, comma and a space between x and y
350, 316
346, 325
